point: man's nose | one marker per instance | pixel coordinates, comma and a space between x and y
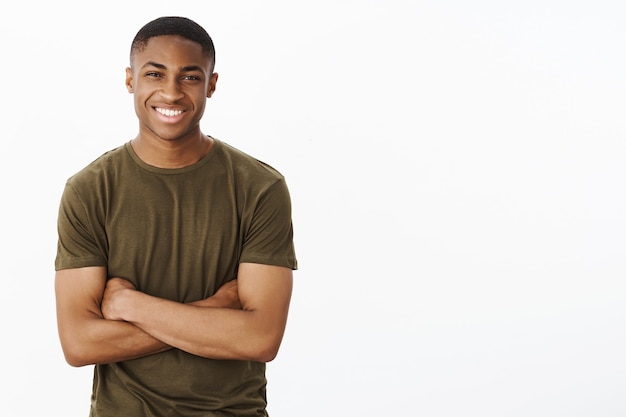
171, 90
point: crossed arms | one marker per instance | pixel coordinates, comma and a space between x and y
104, 321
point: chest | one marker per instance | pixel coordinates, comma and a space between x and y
174, 239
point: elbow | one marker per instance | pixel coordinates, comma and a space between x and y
75, 354
266, 350
76, 361
76, 358
268, 341
266, 356
270, 356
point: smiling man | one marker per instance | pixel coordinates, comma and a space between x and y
175, 251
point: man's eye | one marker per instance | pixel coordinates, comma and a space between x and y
153, 74
191, 77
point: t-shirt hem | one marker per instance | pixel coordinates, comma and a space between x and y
258, 259
78, 263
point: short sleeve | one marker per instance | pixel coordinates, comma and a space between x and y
81, 242
269, 239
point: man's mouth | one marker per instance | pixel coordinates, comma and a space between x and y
168, 112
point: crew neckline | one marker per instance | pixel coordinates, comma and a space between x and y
173, 171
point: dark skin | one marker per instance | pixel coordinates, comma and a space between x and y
171, 74
104, 320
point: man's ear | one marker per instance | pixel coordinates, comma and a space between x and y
129, 80
212, 85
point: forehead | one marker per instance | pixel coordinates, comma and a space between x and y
171, 50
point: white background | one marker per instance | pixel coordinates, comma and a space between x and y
457, 175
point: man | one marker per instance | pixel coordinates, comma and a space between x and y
175, 254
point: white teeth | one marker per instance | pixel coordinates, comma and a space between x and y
168, 112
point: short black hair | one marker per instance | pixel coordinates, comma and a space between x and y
174, 25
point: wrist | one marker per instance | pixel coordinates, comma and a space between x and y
126, 301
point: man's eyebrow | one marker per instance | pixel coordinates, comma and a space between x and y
187, 68
154, 64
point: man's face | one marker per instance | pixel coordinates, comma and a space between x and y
171, 80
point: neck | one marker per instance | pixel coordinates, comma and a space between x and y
172, 153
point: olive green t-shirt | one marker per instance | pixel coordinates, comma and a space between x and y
177, 234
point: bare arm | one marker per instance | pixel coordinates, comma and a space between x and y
88, 338
253, 333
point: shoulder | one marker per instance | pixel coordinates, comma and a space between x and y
244, 165
101, 167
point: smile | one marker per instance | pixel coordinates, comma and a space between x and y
168, 112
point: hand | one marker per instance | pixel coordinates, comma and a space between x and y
112, 298
227, 296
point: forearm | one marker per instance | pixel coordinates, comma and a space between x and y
241, 322
96, 340
218, 333
100, 341
86, 337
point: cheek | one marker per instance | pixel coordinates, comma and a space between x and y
199, 99
142, 94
